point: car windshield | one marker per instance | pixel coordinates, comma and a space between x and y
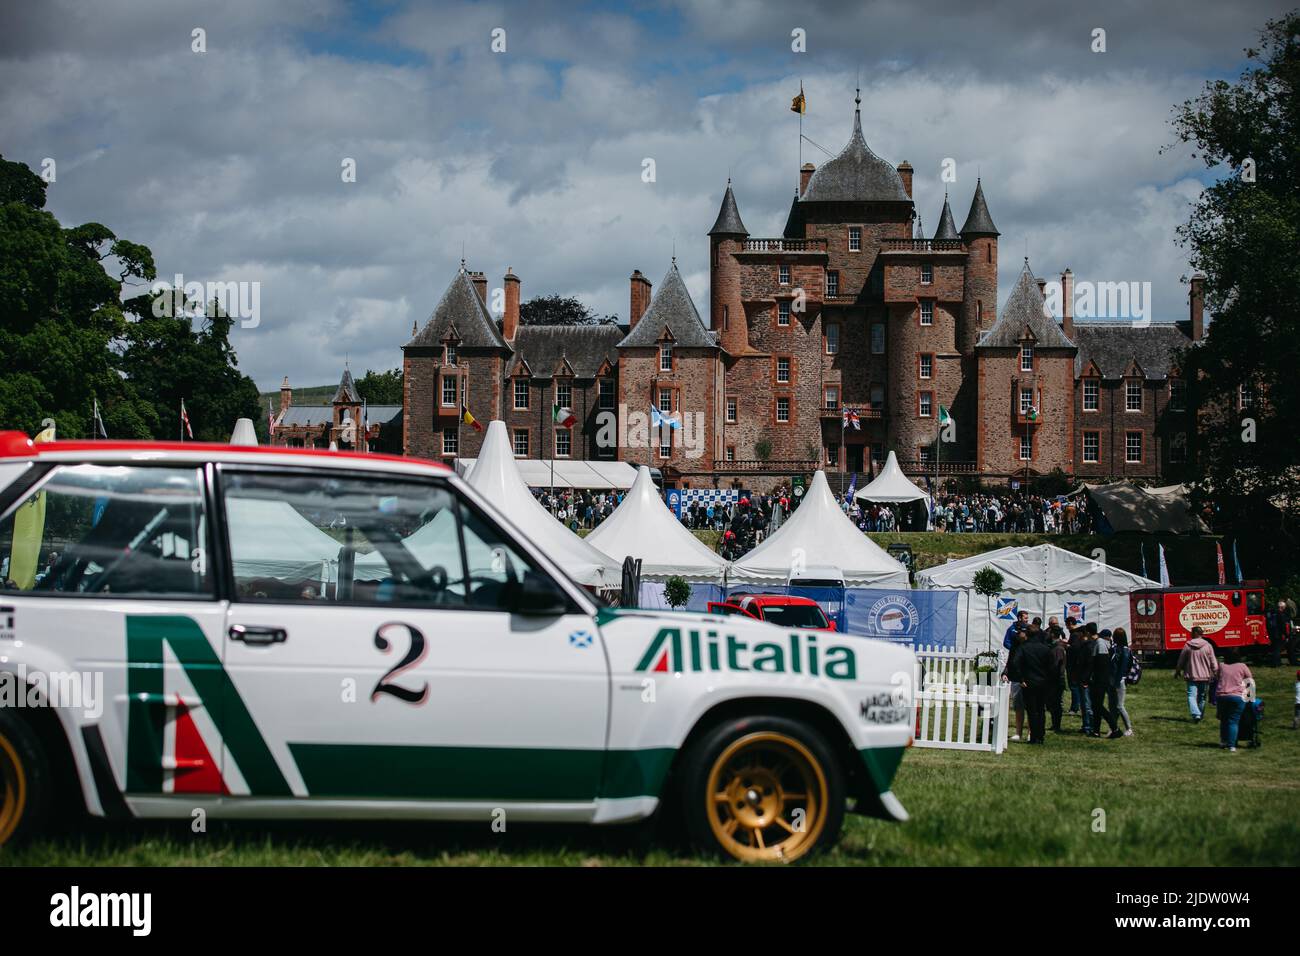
794, 615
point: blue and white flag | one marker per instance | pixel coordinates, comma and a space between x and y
1164, 568
658, 419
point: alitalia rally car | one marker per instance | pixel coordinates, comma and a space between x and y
270, 633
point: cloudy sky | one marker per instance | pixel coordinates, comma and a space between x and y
228, 163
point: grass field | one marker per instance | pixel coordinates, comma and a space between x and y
1170, 797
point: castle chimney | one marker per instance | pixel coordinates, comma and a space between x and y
286, 394
1042, 287
639, 299
905, 170
510, 321
1067, 303
805, 174
480, 285
1197, 302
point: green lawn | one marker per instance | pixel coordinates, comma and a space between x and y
1170, 796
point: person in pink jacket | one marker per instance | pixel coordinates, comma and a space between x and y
1200, 667
1232, 699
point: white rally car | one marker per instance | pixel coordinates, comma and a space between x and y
271, 633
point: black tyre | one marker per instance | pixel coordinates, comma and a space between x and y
762, 789
25, 780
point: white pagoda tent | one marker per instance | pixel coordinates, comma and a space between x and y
891, 486
643, 527
496, 477
819, 534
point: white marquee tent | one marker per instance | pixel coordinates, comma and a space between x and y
496, 477
891, 486
595, 475
643, 527
819, 534
1044, 580
275, 541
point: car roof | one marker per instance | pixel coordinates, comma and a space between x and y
762, 599
16, 446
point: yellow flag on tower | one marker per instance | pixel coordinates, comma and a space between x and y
799, 104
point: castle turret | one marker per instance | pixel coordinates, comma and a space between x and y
726, 307
980, 293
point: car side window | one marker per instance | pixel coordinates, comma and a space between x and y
109, 531
345, 539
495, 566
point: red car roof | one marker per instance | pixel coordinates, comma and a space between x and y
786, 599
15, 444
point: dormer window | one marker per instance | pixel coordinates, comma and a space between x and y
1026, 358
665, 357
451, 355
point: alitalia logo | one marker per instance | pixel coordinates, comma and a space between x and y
671, 651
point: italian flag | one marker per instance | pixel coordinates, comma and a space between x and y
563, 417
945, 417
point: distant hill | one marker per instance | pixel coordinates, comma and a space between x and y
311, 395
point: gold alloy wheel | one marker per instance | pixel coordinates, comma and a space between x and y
767, 797
13, 797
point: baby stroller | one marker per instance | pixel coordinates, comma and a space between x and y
1248, 734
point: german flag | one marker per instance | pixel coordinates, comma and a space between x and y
799, 104
469, 419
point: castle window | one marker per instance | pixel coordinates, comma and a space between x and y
855, 238
1026, 400
927, 365
833, 455
927, 312
563, 443
832, 338
877, 396
923, 455
1133, 395
1178, 448
521, 394
1026, 448
1091, 394
878, 454
731, 453
564, 394
665, 399
1092, 447
783, 274
832, 398
450, 442
927, 273
666, 449
878, 338
925, 404
783, 312
783, 409
783, 370
451, 355
1245, 396
606, 393
1177, 395
726, 318
1026, 358
832, 284
521, 442
449, 391
665, 357
731, 410
1133, 448
979, 313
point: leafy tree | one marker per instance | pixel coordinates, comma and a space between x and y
381, 388
68, 338
677, 591
1243, 234
559, 310
988, 582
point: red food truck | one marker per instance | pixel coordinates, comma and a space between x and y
1229, 616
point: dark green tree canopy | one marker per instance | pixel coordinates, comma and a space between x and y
381, 388
559, 310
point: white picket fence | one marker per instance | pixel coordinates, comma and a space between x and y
956, 707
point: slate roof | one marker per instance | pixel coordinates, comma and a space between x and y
347, 390
794, 223
1114, 346
584, 347
673, 308
728, 222
307, 415
382, 414
856, 175
978, 221
460, 306
947, 228
1024, 308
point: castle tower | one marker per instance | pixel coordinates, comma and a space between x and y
980, 301
726, 308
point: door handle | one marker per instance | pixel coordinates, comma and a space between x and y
253, 634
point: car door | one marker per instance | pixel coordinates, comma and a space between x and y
390, 642
114, 605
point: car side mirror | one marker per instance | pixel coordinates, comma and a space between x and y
537, 596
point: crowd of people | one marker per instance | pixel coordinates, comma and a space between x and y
578, 508
1096, 666
1013, 511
